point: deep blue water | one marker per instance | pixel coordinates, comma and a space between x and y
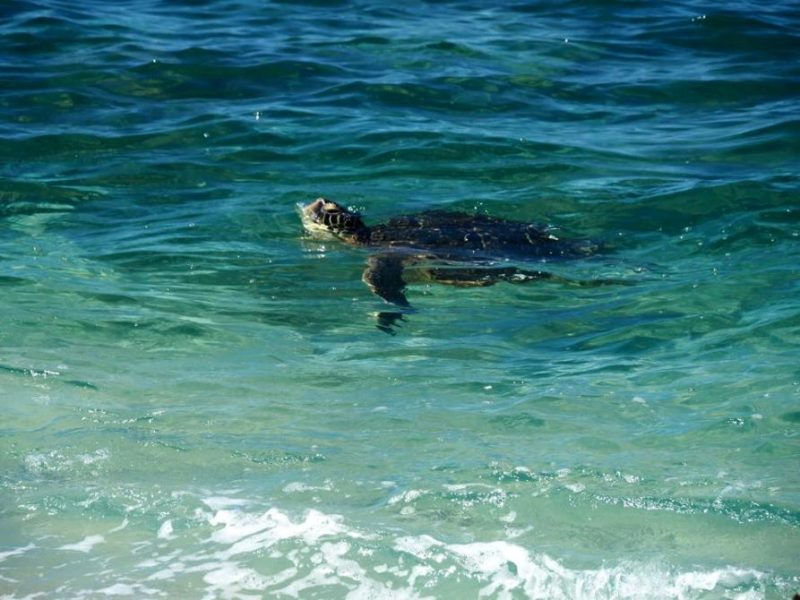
197, 402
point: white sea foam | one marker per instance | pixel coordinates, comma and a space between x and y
118, 589
165, 531
406, 497
218, 502
119, 527
97, 456
16, 552
299, 487
509, 518
252, 553
326, 553
85, 545
507, 570
247, 533
228, 575
38, 462
54, 461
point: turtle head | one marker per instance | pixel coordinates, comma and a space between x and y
325, 218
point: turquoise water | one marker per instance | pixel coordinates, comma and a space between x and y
197, 403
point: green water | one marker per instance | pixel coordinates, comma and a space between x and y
197, 402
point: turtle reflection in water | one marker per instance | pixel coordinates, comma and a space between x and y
443, 247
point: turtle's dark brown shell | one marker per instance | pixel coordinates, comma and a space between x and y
461, 236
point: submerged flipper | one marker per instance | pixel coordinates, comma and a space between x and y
389, 321
483, 276
486, 276
384, 276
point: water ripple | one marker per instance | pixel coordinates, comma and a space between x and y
171, 339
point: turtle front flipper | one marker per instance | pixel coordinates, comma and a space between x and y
384, 276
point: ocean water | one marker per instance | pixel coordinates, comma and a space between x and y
196, 400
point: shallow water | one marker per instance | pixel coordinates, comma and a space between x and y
197, 402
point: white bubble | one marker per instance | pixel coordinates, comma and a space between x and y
85, 545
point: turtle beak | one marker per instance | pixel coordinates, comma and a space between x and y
311, 210
314, 207
311, 217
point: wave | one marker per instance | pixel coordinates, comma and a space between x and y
231, 549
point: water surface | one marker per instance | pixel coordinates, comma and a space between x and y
197, 402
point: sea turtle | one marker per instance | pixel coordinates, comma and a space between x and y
441, 246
